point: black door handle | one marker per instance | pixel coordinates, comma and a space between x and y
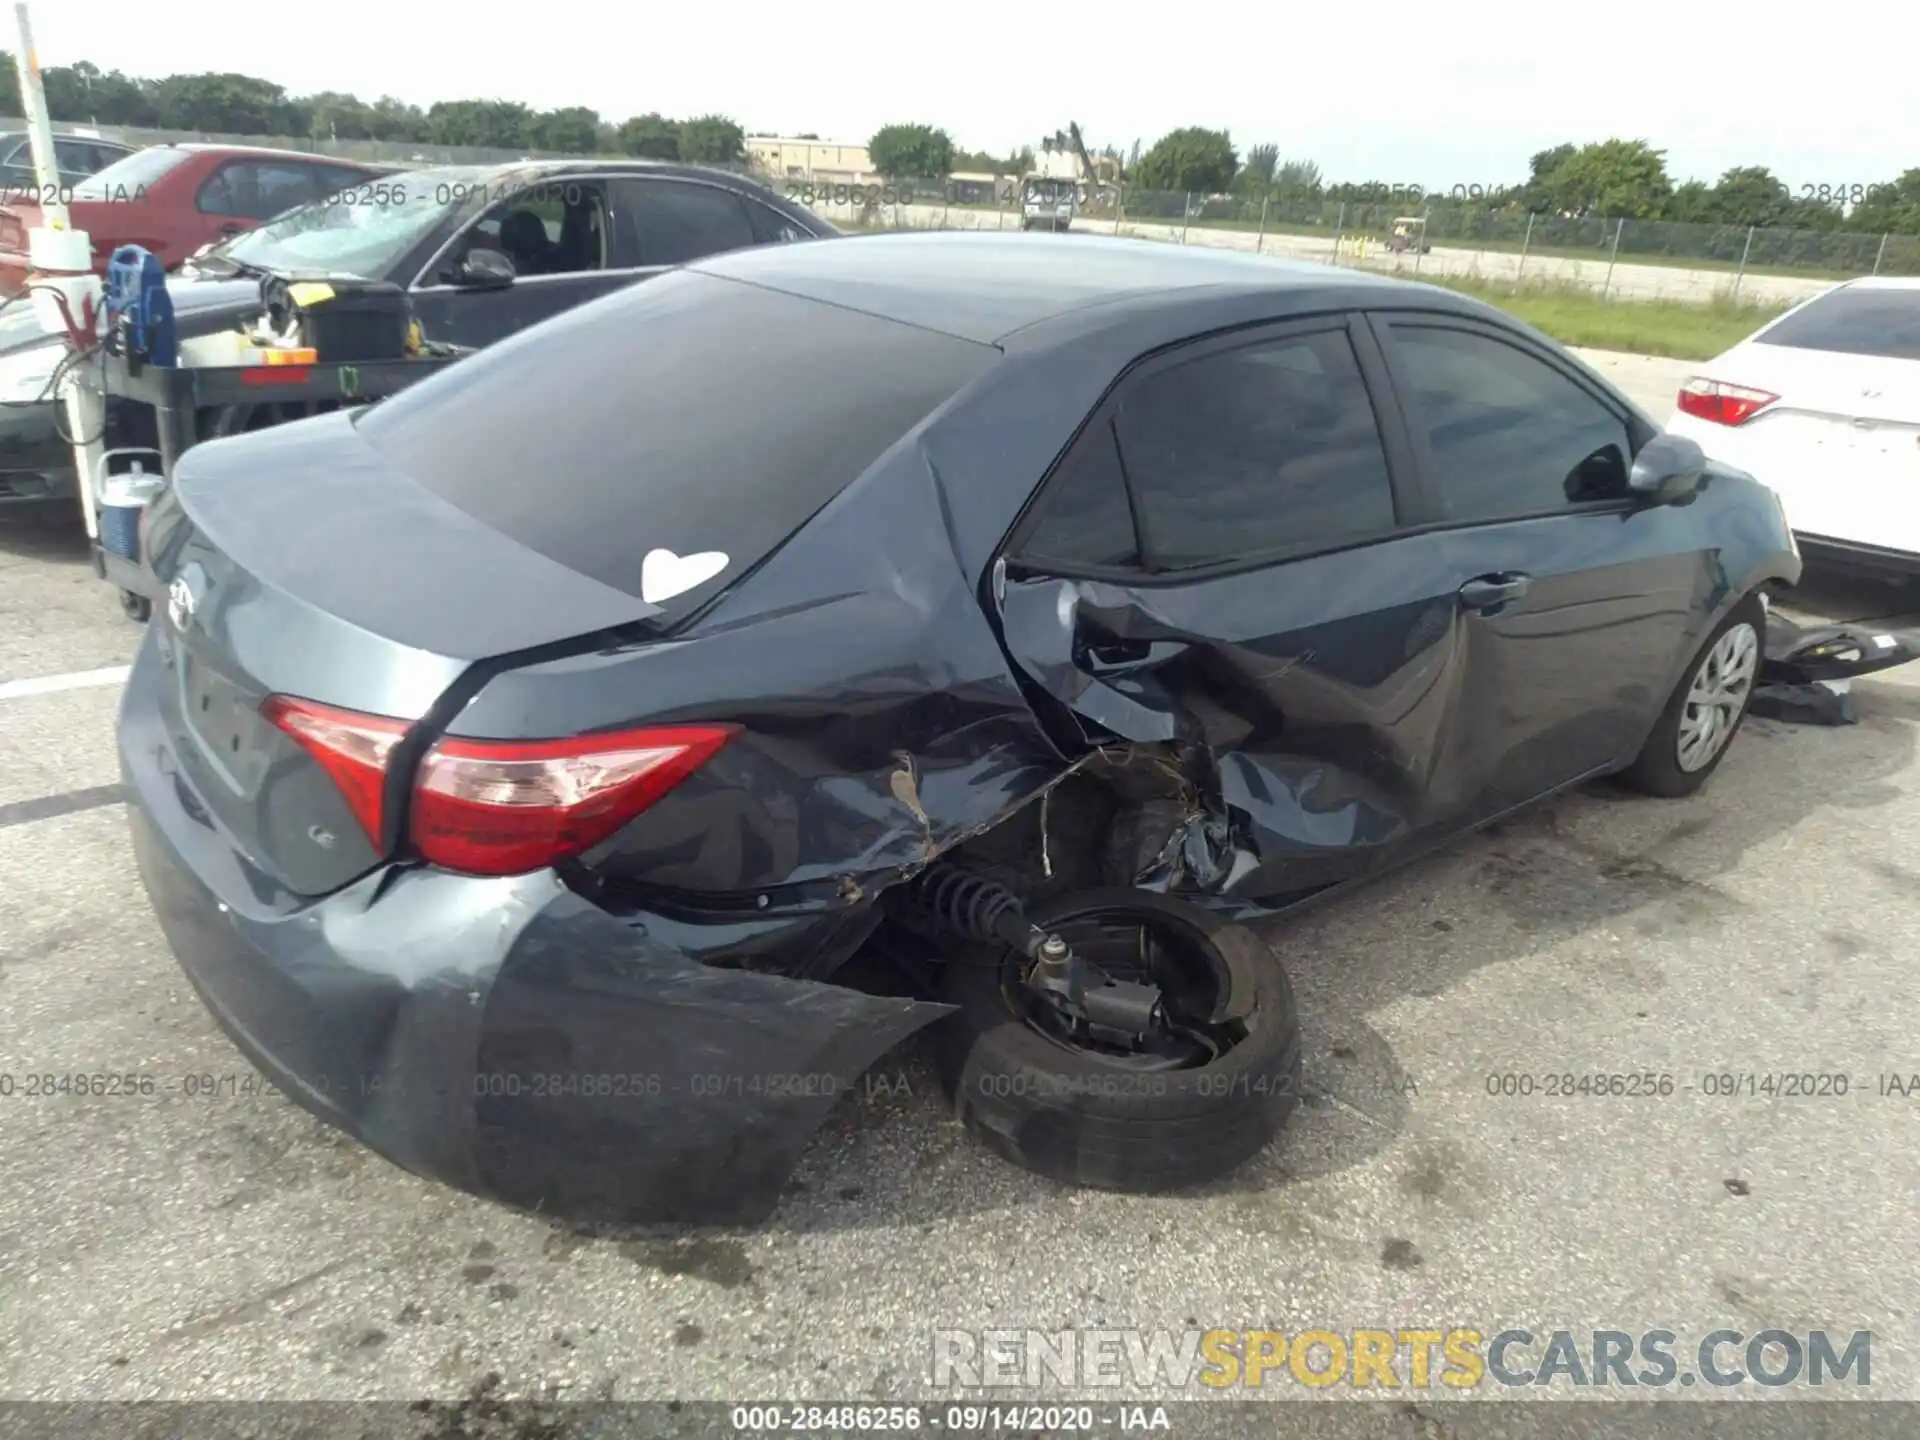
1484, 592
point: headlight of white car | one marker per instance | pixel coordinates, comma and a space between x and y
26, 374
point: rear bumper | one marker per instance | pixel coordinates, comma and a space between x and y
504, 1036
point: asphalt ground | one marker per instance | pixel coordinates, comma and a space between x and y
228, 1246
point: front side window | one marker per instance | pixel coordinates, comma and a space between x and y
1509, 435
1268, 450
558, 227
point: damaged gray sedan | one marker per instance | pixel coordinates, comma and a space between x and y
570, 775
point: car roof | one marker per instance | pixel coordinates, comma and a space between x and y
196, 147
1881, 282
983, 287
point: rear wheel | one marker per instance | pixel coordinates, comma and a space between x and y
1692, 735
135, 606
1203, 1088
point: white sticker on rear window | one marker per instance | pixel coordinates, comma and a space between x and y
664, 574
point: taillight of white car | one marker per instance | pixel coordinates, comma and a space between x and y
1721, 403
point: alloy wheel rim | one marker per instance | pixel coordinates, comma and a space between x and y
1716, 697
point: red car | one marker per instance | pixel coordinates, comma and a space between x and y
173, 199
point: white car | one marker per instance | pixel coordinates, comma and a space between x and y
1823, 405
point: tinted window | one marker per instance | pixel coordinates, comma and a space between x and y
555, 228
256, 190
128, 178
75, 157
770, 227
690, 413
1083, 517
1508, 433
1267, 450
672, 222
1854, 321
335, 178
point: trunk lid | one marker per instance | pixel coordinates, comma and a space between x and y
298, 563
1841, 444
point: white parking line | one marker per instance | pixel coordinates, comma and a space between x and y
78, 680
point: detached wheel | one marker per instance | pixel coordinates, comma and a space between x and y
1691, 737
1205, 1086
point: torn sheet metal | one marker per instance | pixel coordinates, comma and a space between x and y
1800, 655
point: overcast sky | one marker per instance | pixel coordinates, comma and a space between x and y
1429, 92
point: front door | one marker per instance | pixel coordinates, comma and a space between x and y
1577, 601
559, 234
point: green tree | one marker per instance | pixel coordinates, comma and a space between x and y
1256, 176
1751, 195
1890, 208
651, 136
393, 119
1613, 179
337, 116
1536, 193
712, 140
225, 104
1298, 180
1193, 159
911, 152
496, 124
1694, 203
572, 130
974, 162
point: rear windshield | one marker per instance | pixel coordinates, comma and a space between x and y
1855, 321
687, 413
127, 178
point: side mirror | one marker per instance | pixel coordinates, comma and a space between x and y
1667, 470
485, 270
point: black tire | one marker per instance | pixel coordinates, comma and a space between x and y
1086, 1119
136, 607
1656, 769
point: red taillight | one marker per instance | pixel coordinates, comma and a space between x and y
351, 747
501, 807
1723, 404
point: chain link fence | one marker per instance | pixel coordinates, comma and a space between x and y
1623, 259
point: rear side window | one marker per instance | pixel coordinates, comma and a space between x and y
1083, 517
1266, 451
128, 178
1857, 320
675, 221
690, 413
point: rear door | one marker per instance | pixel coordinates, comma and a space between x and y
663, 221
1216, 561
1577, 601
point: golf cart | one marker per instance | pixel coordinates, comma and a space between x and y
1409, 233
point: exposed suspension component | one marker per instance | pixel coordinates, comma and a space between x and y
974, 906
